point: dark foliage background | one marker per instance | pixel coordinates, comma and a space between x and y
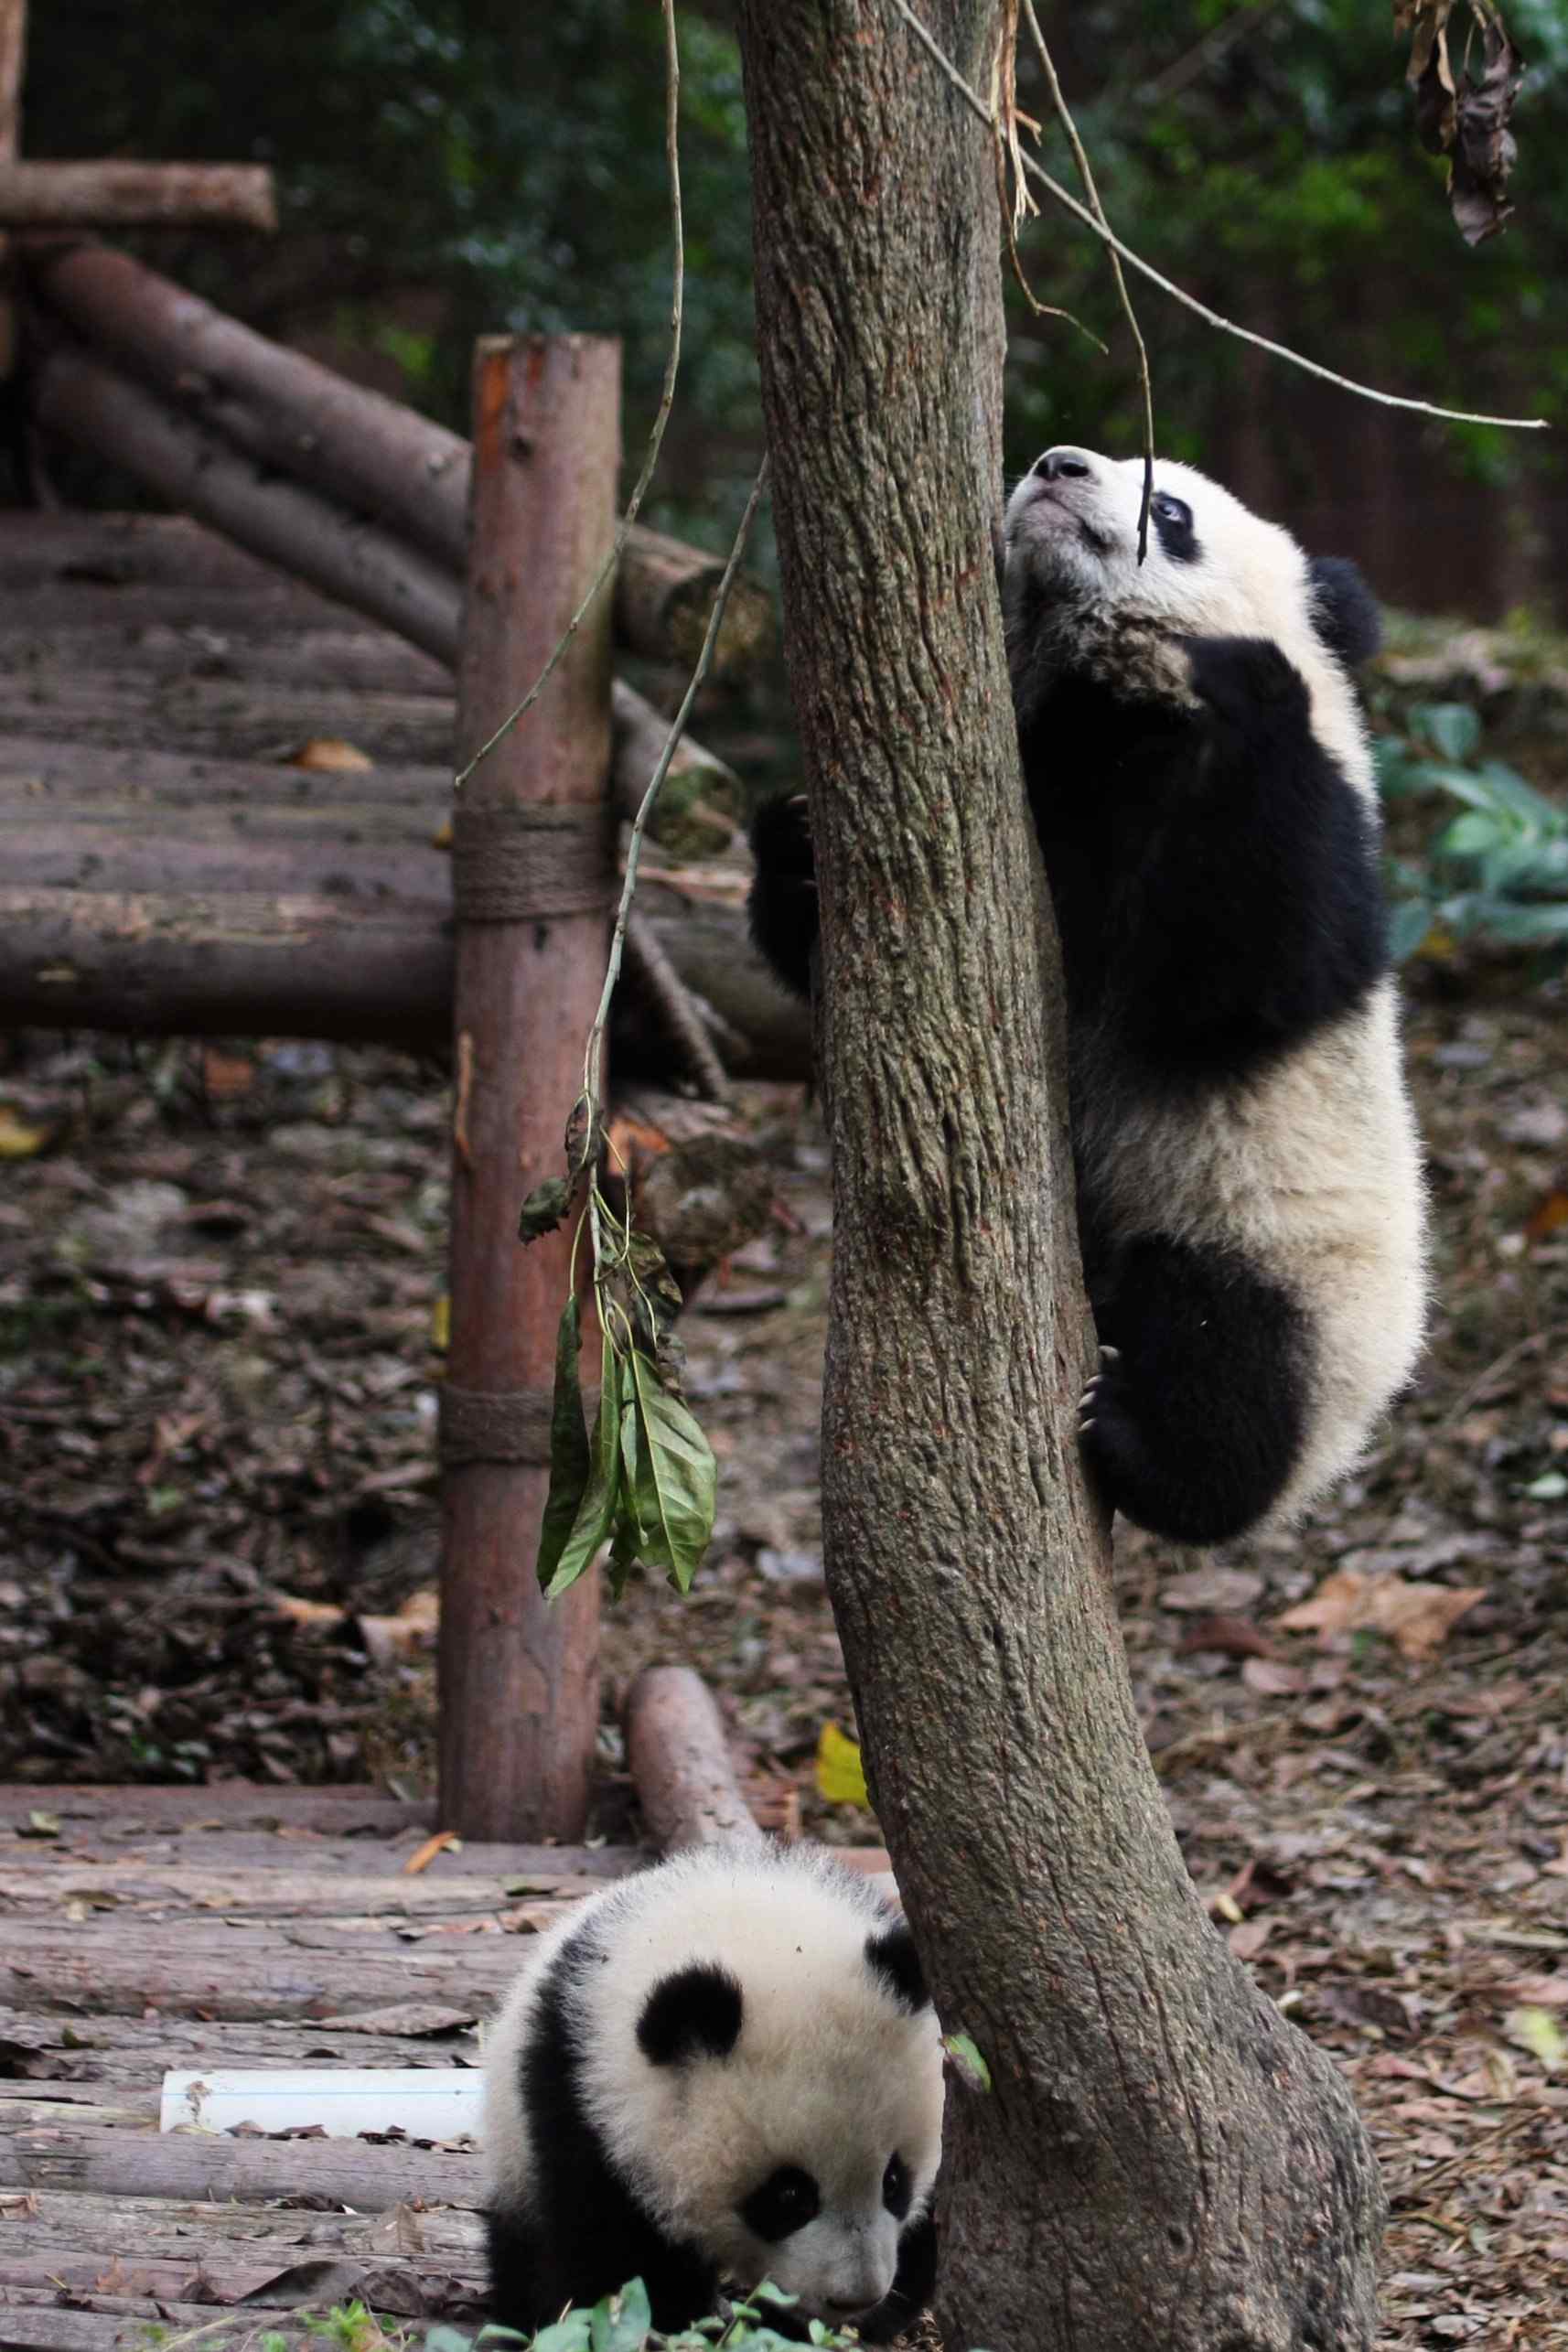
449, 167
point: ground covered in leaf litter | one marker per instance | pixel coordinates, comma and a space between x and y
220, 1277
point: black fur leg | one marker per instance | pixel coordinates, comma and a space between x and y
1194, 1421
783, 901
914, 2283
515, 2286
586, 2233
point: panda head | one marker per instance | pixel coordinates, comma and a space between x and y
787, 2116
1213, 568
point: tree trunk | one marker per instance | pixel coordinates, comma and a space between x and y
1162, 2159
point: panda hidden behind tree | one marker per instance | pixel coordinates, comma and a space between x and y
1248, 1179
725, 2069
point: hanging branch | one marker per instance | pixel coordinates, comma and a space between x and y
1006, 120
1081, 212
1087, 176
666, 401
646, 1480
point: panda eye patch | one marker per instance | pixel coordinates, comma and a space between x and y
896, 2188
786, 2201
1172, 528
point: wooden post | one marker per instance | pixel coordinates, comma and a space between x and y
13, 51
532, 877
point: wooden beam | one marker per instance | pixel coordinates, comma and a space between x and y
107, 2161
369, 453
517, 1676
137, 196
92, 405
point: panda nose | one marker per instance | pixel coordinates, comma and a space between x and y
1059, 465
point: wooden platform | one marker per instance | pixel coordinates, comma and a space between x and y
143, 1930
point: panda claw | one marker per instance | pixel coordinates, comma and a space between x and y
1110, 1355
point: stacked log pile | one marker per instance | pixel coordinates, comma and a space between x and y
191, 885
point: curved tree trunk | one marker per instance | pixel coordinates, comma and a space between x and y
1163, 2160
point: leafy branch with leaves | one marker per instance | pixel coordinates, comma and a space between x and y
646, 1480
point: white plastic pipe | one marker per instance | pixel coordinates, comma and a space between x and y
427, 2102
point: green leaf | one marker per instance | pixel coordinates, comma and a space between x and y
1470, 835
671, 1474
1524, 926
573, 2334
596, 1510
967, 2063
570, 1459
624, 1554
1408, 924
1452, 728
545, 1208
622, 2323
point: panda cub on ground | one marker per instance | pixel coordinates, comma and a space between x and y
1249, 1185
724, 2068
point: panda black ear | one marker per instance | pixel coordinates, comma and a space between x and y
696, 2013
1344, 609
892, 1955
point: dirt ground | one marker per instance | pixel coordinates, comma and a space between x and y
220, 1277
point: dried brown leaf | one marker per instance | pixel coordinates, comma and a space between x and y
1223, 1591
1416, 1617
330, 755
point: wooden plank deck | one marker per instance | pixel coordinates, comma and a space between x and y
148, 1929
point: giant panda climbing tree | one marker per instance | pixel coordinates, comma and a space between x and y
1159, 2158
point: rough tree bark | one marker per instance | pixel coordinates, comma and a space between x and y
1163, 2159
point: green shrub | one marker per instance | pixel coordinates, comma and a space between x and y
623, 2323
1498, 872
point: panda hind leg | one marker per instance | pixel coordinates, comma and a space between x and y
1194, 1421
518, 2293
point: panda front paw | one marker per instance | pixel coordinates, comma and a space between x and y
1247, 682
782, 906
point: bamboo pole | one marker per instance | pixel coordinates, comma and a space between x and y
533, 875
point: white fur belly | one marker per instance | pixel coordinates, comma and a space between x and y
1313, 1172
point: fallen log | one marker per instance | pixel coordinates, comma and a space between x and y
109, 2162
192, 1969
368, 453
305, 1892
109, 195
147, 2225
246, 963
254, 898
678, 1753
257, 2274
